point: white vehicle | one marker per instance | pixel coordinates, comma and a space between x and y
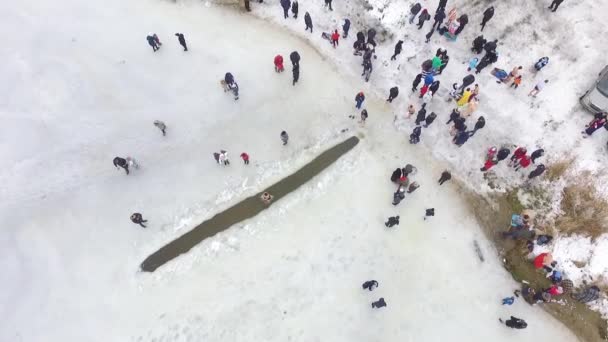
595, 100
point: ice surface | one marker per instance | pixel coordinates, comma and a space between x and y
82, 86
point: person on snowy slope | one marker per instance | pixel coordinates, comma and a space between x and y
392, 221
294, 9
537, 154
445, 176
416, 82
328, 4
429, 119
537, 171
296, 74
398, 48
308, 22
517, 155
286, 4
295, 58
396, 175
478, 44
414, 11
439, 18
542, 62
284, 138
278, 63
393, 93
182, 40
487, 15
415, 136
421, 116
367, 69
463, 21
424, 16
138, 219
121, 162
152, 42
399, 195
380, 303
335, 37
359, 100
345, 28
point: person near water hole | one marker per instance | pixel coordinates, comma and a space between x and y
266, 197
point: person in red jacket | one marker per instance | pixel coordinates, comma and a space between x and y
517, 155
245, 158
524, 162
278, 63
334, 38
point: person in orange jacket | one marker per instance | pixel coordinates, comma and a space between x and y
334, 38
278, 63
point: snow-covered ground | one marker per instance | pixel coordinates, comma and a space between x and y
82, 86
572, 37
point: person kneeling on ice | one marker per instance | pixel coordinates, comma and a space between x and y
515, 323
399, 195
138, 219
380, 303
392, 221
121, 162
266, 198
369, 285
429, 212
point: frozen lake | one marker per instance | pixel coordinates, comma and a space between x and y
82, 86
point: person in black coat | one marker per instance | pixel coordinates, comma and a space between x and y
555, 4
328, 4
445, 59
121, 162
489, 58
537, 154
398, 48
421, 116
537, 172
515, 323
396, 175
461, 137
393, 93
424, 16
152, 43
439, 17
380, 303
415, 136
478, 44
286, 4
182, 40
369, 285
345, 28
295, 58
296, 74
442, 4
459, 124
445, 176
503, 153
481, 122
138, 219
392, 221
429, 119
487, 15
463, 20
308, 22
294, 9
416, 82
491, 46
454, 115
371, 36
434, 87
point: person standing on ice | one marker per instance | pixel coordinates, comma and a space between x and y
286, 4
138, 219
416, 82
487, 15
245, 158
364, 116
328, 4
294, 9
295, 58
540, 168
232, 85
398, 48
380, 303
554, 5
308, 22
445, 176
537, 154
161, 125
152, 42
278, 63
424, 16
414, 11
296, 74
421, 116
524, 162
345, 28
502, 154
439, 18
415, 136
481, 122
393, 93
359, 100
429, 213
223, 158
517, 155
369, 285
335, 37
182, 40
478, 44
392, 221
515, 323
367, 69
516, 82
284, 138
429, 119
538, 88
121, 162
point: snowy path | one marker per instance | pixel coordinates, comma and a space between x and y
82, 86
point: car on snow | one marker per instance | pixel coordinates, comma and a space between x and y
595, 100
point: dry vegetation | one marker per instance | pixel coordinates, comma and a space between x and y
584, 211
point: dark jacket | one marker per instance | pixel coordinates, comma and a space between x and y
380, 303
503, 153
459, 124
481, 122
417, 81
396, 175
307, 19
490, 46
360, 97
180, 38
120, 162
461, 138
429, 119
398, 47
346, 25
285, 4
434, 87
296, 73
421, 114
228, 78
589, 294
537, 172
394, 91
416, 8
488, 14
537, 154
369, 285
360, 37
294, 57
516, 323
407, 169
479, 43
467, 81
442, 3
440, 15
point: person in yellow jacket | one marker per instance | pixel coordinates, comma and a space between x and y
465, 98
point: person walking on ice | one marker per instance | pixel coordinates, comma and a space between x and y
538, 88
554, 5
121, 162
445, 176
359, 100
245, 158
138, 219
284, 138
429, 212
380, 303
393, 93
392, 221
182, 40
223, 158
161, 125
308, 22
369, 285
398, 48
153, 42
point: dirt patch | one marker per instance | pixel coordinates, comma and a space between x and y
584, 211
494, 215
